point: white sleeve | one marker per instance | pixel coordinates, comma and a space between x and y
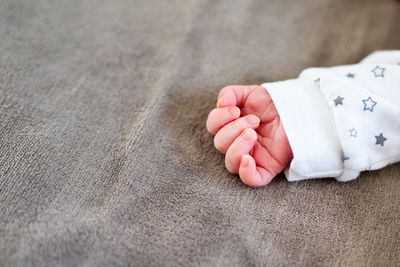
341, 120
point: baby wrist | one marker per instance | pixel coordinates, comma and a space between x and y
310, 128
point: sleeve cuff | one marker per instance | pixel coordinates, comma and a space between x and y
310, 128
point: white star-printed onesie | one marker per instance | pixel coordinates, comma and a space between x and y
341, 120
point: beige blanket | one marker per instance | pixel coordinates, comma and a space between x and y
104, 155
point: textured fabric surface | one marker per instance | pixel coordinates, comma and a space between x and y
105, 159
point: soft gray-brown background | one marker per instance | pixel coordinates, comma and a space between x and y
105, 159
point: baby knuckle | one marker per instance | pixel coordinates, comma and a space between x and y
223, 90
237, 125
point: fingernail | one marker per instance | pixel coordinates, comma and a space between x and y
245, 162
252, 120
234, 111
247, 135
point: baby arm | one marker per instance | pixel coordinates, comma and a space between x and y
341, 120
330, 122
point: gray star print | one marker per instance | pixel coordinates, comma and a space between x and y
344, 157
350, 75
338, 100
317, 81
353, 132
378, 71
380, 139
369, 104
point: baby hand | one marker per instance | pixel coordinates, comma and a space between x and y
249, 132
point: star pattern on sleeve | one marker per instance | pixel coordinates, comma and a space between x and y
338, 100
370, 139
380, 139
378, 71
353, 132
369, 104
317, 82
